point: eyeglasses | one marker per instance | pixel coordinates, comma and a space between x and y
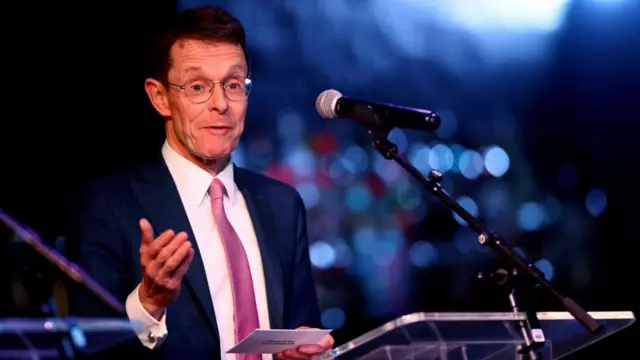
200, 90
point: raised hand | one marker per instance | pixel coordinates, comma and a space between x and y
164, 262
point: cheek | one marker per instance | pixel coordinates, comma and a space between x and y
239, 115
240, 123
190, 117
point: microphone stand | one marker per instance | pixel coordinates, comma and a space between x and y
520, 277
73, 338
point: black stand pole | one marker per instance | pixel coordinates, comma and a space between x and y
70, 341
519, 290
519, 278
73, 339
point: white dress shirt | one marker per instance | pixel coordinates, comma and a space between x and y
193, 183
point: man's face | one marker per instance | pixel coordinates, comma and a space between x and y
208, 130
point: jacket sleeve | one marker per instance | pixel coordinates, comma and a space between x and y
97, 246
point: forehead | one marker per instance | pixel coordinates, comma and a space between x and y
206, 58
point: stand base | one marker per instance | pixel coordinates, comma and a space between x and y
474, 336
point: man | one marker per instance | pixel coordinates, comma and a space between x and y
200, 251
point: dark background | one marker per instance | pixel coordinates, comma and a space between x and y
568, 120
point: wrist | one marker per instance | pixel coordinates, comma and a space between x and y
155, 311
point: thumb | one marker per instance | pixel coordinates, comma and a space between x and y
147, 231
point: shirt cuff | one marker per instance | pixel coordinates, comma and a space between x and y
150, 331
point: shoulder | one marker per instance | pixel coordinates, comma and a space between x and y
110, 183
266, 185
110, 187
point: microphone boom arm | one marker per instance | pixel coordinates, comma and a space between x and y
527, 273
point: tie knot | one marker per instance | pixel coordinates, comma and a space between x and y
216, 189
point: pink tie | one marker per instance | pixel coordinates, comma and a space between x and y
245, 311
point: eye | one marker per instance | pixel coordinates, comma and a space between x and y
234, 85
198, 86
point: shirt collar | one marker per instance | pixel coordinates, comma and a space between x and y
192, 181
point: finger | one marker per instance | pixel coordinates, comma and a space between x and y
327, 342
178, 256
184, 266
147, 231
293, 354
311, 349
178, 275
167, 251
154, 262
150, 251
159, 243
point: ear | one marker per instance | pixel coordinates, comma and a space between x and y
158, 96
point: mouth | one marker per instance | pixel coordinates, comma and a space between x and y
218, 129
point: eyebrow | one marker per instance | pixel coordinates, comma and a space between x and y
232, 69
238, 67
193, 69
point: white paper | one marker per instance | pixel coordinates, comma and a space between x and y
271, 341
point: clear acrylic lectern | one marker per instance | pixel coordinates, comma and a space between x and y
471, 336
41, 338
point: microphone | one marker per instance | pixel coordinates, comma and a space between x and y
330, 104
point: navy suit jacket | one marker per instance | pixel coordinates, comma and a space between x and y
105, 240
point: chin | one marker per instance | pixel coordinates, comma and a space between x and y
214, 150
215, 154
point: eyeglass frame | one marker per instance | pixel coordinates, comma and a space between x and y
213, 84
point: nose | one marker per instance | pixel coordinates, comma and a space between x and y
219, 101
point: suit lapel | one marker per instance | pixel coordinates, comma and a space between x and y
161, 201
262, 218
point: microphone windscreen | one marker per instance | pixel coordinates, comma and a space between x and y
326, 103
